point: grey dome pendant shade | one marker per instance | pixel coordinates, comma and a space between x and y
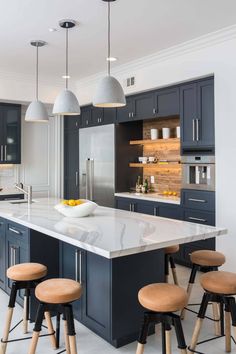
66, 102
36, 111
109, 92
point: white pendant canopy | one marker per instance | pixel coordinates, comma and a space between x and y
66, 102
109, 92
36, 111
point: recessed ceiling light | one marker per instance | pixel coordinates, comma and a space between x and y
52, 29
66, 76
112, 59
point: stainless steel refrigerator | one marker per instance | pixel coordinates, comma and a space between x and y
96, 164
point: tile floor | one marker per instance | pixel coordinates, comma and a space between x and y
90, 343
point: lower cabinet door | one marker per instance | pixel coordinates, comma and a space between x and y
172, 212
16, 253
96, 308
70, 267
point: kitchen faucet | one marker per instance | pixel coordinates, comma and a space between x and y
27, 192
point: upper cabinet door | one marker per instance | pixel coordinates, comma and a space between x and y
143, 106
188, 115
197, 116
85, 117
109, 115
10, 144
124, 114
166, 102
71, 122
205, 122
97, 115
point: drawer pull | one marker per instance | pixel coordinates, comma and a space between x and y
15, 231
197, 200
155, 211
197, 219
78, 263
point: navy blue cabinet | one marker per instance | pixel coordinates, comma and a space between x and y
152, 104
10, 134
92, 116
197, 116
71, 267
165, 210
166, 102
17, 251
124, 114
71, 158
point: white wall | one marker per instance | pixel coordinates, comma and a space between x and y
41, 143
212, 54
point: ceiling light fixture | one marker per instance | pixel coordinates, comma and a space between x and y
66, 102
36, 111
112, 59
109, 92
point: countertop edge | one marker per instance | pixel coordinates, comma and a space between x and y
113, 254
148, 198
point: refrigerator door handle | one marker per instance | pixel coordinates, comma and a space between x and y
87, 179
91, 178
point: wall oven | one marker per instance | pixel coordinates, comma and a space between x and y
198, 172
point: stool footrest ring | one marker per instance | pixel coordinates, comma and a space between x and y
208, 340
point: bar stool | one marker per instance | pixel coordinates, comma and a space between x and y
205, 260
169, 251
219, 287
24, 276
57, 295
162, 300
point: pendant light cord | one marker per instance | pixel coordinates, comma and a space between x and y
67, 58
37, 72
109, 38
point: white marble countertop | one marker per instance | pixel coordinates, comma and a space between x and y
108, 232
153, 197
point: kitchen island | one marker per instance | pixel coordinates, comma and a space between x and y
113, 253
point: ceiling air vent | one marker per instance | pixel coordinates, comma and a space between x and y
130, 81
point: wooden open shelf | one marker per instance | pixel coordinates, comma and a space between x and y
157, 166
157, 141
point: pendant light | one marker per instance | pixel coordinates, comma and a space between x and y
109, 92
66, 102
36, 112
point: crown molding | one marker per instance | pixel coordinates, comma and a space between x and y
199, 43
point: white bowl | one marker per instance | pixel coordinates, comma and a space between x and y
78, 211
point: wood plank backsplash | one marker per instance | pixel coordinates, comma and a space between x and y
165, 180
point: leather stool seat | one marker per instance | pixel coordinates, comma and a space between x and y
163, 297
171, 249
207, 258
58, 291
219, 282
26, 271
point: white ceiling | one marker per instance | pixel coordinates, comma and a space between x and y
139, 28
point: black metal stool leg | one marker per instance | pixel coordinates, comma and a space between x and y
166, 268
143, 334
71, 328
10, 310
201, 315
37, 328
180, 335
58, 324
173, 269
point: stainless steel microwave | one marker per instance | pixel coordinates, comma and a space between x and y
198, 172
